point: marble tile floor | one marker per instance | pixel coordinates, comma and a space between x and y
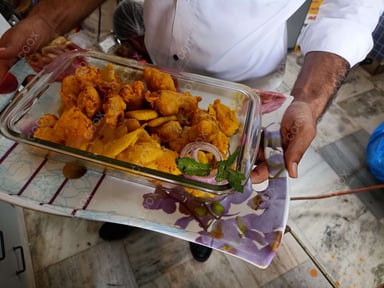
345, 234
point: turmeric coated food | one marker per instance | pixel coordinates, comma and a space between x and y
144, 122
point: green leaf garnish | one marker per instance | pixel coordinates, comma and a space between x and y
191, 167
225, 172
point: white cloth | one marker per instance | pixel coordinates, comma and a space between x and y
343, 27
245, 41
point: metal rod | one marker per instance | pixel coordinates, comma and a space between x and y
313, 258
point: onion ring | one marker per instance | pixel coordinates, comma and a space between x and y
192, 149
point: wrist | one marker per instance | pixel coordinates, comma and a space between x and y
320, 78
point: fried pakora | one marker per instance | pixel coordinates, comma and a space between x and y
133, 95
158, 80
74, 128
70, 89
114, 109
169, 102
151, 155
88, 101
226, 118
146, 123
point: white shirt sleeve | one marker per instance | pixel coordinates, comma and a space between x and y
343, 27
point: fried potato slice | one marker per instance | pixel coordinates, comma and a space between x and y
151, 155
142, 115
116, 146
161, 120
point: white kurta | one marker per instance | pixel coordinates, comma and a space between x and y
245, 40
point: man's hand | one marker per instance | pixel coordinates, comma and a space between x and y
47, 20
321, 76
22, 40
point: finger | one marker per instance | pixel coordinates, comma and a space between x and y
260, 173
293, 155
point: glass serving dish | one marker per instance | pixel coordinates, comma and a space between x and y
41, 96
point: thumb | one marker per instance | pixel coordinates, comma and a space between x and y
298, 130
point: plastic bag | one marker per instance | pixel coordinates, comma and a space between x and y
375, 153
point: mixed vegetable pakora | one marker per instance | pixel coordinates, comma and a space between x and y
145, 122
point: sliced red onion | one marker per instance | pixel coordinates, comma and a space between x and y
192, 149
210, 179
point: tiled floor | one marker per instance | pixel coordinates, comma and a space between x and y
344, 233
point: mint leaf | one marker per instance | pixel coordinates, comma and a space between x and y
235, 178
225, 172
191, 167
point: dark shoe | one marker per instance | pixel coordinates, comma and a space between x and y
199, 252
113, 231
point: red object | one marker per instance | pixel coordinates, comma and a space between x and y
8, 84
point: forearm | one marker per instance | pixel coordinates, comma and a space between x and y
319, 79
63, 15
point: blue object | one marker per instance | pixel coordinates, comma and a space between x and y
375, 153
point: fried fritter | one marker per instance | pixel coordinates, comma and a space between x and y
70, 89
133, 95
169, 102
74, 128
114, 109
151, 155
89, 101
157, 80
226, 118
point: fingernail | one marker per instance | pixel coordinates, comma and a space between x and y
293, 169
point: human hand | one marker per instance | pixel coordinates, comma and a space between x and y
298, 129
50, 52
22, 40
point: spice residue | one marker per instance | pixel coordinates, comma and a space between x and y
313, 272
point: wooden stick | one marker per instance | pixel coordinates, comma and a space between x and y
352, 191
